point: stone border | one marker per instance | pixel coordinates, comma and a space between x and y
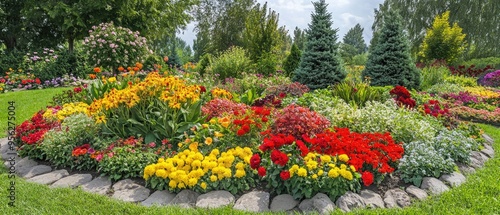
254, 201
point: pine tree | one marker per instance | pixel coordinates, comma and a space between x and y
354, 37
292, 60
389, 62
320, 65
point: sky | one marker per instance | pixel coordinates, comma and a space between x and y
297, 13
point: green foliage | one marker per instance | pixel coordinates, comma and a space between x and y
126, 162
360, 59
445, 88
230, 64
292, 60
75, 130
353, 44
483, 62
356, 94
320, 65
299, 38
462, 81
10, 59
442, 41
261, 38
111, 47
204, 63
433, 75
389, 62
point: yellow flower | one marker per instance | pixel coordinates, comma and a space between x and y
193, 146
213, 121
333, 173
112, 79
203, 185
204, 125
302, 172
172, 184
353, 168
326, 158
320, 172
161, 173
196, 163
208, 141
192, 182
213, 178
225, 121
343, 157
240, 173
314, 176
218, 134
312, 164
346, 174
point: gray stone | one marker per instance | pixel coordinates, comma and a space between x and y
488, 139
283, 202
488, 151
72, 181
322, 203
137, 194
306, 206
466, 169
255, 201
34, 171
372, 199
125, 184
416, 192
396, 198
186, 198
11, 160
350, 201
160, 198
477, 159
99, 185
4, 145
49, 178
433, 185
215, 199
454, 179
25, 162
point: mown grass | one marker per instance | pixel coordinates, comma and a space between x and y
479, 195
26, 104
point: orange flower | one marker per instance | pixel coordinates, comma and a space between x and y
136, 68
121, 69
97, 69
92, 76
138, 65
165, 58
129, 68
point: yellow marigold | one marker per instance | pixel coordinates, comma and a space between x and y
333, 173
240, 173
352, 168
181, 185
112, 79
161, 173
218, 134
204, 125
213, 121
192, 182
172, 184
346, 174
149, 170
343, 166
161, 160
213, 178
196, 163
314, 176
326, 158
240, 165
320, 172
302, 172
208, 141
343, 157
203, 185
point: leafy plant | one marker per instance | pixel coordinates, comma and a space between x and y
230, 64
356, 94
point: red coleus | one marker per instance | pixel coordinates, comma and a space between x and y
296, 120
435, 109
403, 97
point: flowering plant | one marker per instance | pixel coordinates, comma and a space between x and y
202, 171
119, 46
294, 89
491, 79
403, 97
288, 167
218, 107
471, 71
30, 134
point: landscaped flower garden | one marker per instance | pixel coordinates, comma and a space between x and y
177, 132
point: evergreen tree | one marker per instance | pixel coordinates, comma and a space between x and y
292, 60
389, 62
320, 65
299, 38
354, 38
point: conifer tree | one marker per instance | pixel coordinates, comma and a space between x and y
320, 65
292, 60
390, 62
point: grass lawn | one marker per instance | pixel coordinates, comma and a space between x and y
27, 103
479, 195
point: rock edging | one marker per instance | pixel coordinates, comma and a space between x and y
254, 201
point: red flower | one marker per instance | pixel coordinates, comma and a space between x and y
77, 89
302, 147
241, 132
285, 175
246, 128
37, 81
262, 171
367, 178
255, 161
202, 89
282, 95
279, 157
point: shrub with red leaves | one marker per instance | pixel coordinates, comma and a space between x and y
470, 71
219, 107
403, 97
294, 89
297, 121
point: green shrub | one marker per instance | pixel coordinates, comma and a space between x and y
445, 88
230, 64
58, 144
432, 75
292, 60
360, 59
461, 81
483, 62
10, 59
204, 63
356, 94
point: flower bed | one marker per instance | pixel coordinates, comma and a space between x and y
178, 135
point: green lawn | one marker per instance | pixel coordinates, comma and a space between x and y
27, 103
479, 195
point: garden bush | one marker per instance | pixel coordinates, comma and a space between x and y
230, 64
356, 94
432, 76
462, 81
110, 47
491, 79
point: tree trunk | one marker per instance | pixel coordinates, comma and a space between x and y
71, 44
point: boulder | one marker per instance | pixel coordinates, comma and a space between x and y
283, 202
433, 185
255, 201
349, 201
396, 198
36, 170
72, 181
99, 185
49, 178
160, 198
488, 151
215, 199
322, 203
454, 179
128, 191
372, 199
416, 192
186, 198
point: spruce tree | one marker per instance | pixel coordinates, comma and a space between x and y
292, 60
320, 65
389, 62
354, 37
